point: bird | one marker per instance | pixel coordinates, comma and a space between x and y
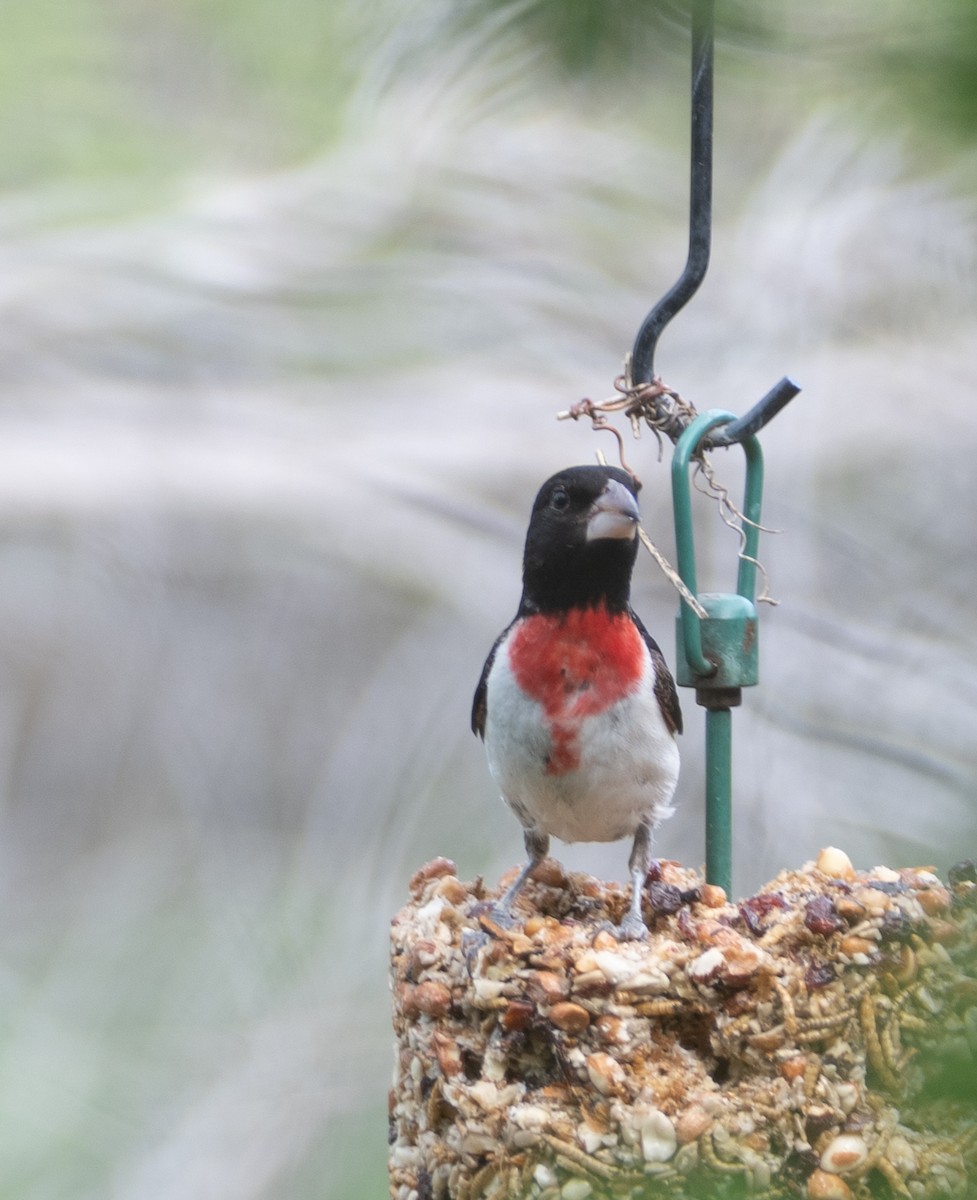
575, 704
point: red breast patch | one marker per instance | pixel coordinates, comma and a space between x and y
575, 665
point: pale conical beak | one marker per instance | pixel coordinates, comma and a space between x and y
614, 513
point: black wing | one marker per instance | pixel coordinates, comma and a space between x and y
480, 702
664, 683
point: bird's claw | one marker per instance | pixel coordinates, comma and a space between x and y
494, 920
631, 929
473, 941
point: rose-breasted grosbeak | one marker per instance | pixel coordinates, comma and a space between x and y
576, 705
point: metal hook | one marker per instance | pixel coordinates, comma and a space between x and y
763, 411
700, 199
700, 238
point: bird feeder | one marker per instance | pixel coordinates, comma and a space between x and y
717, 654
815, 1039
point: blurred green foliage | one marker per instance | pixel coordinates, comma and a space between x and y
928, 66
916, 63
137, 89
606, 39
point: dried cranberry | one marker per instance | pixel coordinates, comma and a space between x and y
819, 975
895, 926
820, 916
757, 907
664, 898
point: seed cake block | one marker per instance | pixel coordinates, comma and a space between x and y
816, 1039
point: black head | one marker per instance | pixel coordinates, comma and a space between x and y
582, 541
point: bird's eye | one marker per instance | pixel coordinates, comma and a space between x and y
560, 498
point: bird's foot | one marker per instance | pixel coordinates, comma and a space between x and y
495, 920
631, 929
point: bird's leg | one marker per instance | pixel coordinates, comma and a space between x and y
537, 846
633, 927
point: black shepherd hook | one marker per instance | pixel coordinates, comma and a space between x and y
700, 237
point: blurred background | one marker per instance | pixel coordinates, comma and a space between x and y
291, 294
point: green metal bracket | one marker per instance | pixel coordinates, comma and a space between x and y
718, 654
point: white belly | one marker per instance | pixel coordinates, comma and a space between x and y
628, 764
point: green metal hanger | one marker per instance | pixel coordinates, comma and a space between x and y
718, 654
